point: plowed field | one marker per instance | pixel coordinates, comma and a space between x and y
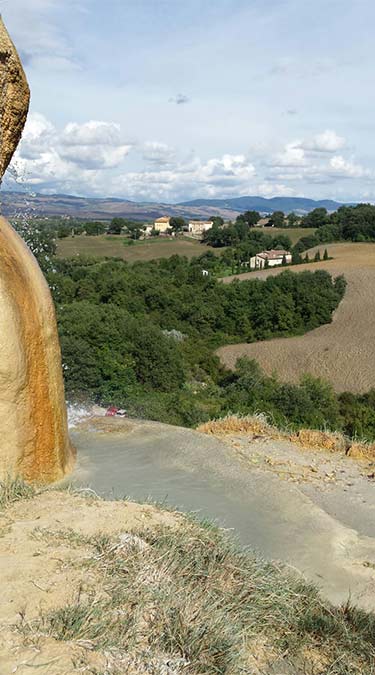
342, 352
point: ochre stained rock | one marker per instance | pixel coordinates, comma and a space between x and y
34, 441
14, 99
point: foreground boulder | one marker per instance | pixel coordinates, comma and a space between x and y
34, 440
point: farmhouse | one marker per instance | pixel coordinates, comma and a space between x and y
162, 224
199, 226
270, 259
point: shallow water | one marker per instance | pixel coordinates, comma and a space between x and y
197, 473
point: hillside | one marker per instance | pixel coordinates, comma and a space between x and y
33, 204
117, 587
341, 352
299, 205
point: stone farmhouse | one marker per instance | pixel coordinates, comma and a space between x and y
270, 259
162, 224
199, 226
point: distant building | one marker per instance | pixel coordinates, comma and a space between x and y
199, 226
270, 259
162, 224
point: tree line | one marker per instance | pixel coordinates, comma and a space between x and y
144, 335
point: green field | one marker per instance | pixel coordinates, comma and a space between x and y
151, 249
118, 246
294, 233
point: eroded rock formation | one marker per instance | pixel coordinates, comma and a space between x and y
34, 442
14, 96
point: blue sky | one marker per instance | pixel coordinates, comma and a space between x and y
167, 100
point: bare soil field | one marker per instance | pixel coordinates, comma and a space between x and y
342, 352
151, 249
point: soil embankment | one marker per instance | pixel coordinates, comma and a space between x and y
342, 352
320, 522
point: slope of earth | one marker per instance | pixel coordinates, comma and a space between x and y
342, 352
116, 587
181, 467
118, 247
21, 204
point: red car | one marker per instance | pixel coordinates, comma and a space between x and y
115, 412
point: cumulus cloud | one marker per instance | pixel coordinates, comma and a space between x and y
157, 153
292, 155
345, 168
93, 145
92, 158
328, 141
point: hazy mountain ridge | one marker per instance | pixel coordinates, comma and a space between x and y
21, 204
286, 204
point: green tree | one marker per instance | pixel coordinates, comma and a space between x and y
116, 225
94, 228
325, 255
293, 220
177, 224
317, 256
277, 219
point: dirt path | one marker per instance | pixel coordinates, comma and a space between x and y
342, 352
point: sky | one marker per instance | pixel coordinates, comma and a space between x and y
172, 100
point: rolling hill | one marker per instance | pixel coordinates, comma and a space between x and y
287, 204
33, 204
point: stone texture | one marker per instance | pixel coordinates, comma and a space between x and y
14, 99
34, 442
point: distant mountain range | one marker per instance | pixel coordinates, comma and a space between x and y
286, 204
23, 204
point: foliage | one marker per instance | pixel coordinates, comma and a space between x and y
277, 219
117, 324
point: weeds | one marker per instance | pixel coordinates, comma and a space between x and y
312, 439
188, 595
13, 491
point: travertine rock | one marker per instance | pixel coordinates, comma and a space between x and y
34, 442
14, 99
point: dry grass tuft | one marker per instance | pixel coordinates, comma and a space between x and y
321, 440
311, 439
359, 450
256, 424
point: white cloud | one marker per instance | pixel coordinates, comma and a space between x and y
93, 145
92, 158
157, 153
345, 168
293, 155
328, 141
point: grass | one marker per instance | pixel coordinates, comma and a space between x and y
151, 249
313, 439
118, 246
186, 600
294, 233
13, 491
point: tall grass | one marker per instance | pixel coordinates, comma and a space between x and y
13, 490
188, 596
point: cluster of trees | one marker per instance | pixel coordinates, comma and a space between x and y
311, 404
348, 223
118, 325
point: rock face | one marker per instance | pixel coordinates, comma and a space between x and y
34, 442
14, 99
